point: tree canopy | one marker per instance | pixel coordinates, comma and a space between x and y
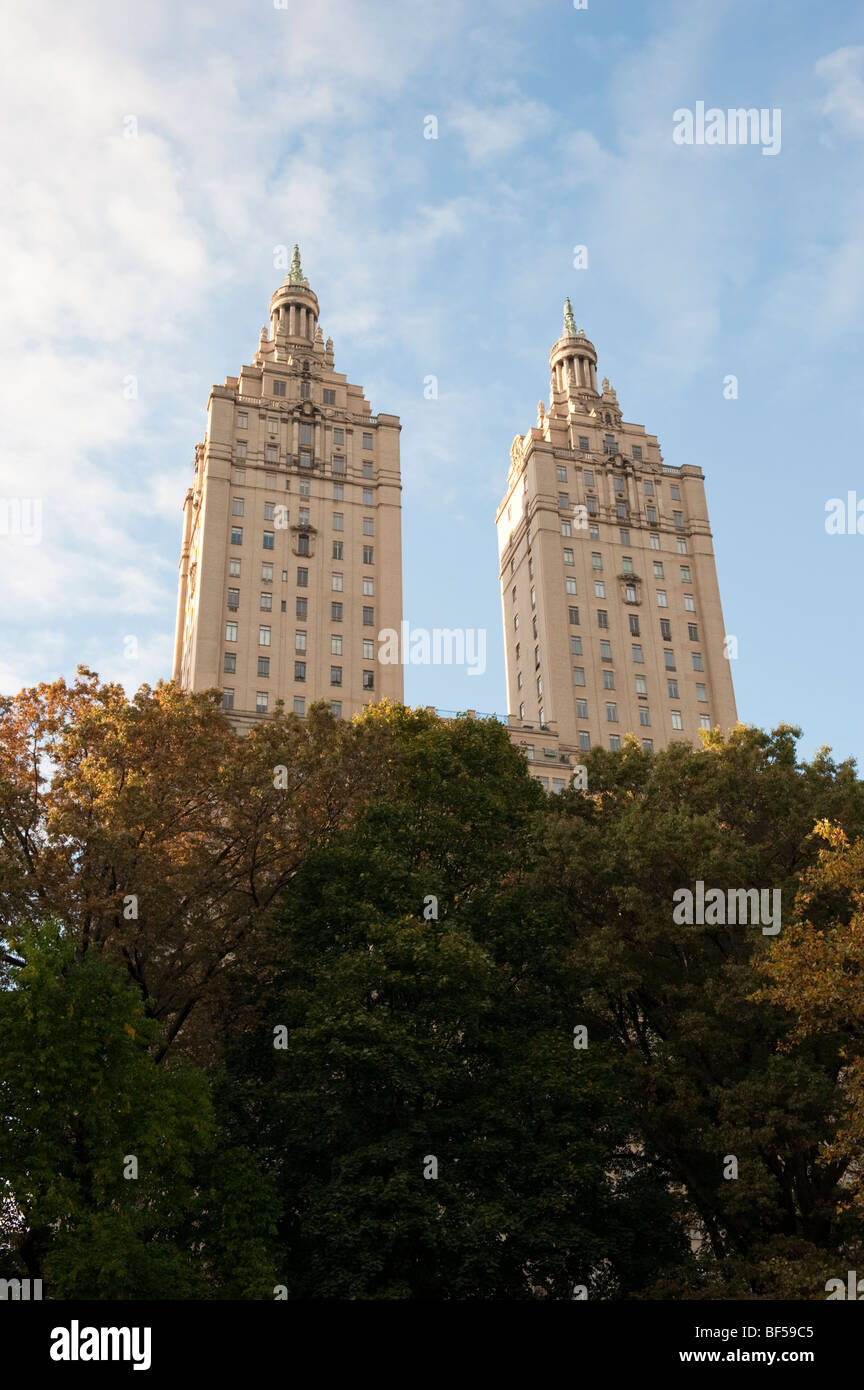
376, 1017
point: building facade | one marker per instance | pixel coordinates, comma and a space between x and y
291, 557
612, 614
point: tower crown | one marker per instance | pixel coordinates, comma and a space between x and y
573, 359
294, 307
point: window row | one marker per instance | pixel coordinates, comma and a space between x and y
305, 427
265, 630
261, 703
275, 511
567, 529
302, 577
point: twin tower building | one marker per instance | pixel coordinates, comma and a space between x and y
291, 562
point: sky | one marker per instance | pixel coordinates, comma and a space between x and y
156, 159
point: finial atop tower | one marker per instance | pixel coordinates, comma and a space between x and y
570, 329
295, 274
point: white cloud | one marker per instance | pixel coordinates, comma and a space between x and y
843, 71
492, 131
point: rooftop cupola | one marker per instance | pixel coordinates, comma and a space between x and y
294, 308
573, 361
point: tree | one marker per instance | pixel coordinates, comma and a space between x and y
815, 972
432, 1128
113, 1167
701, 1059
150, 830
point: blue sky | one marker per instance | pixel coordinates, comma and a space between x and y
138, 271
